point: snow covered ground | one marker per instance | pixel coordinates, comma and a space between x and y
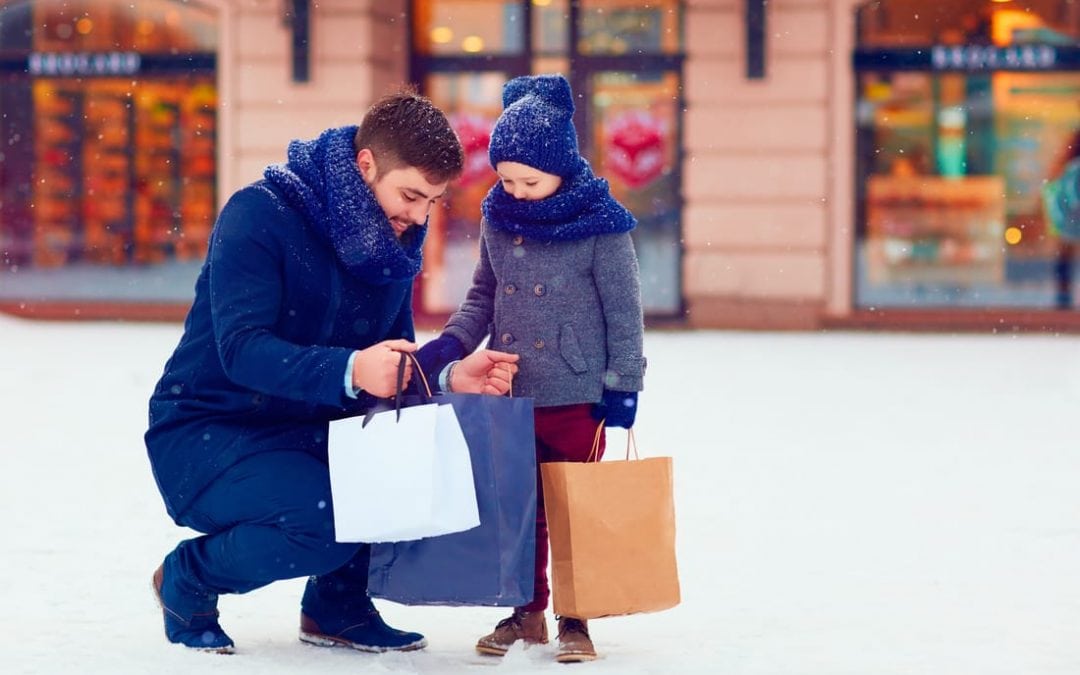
847, 504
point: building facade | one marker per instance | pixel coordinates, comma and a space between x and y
794, 164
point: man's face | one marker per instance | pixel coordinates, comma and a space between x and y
405, 195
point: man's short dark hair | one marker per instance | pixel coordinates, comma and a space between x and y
406, 129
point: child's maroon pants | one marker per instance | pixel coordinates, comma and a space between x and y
563, 434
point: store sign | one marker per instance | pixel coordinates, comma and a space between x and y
66, 64
983, 57
969, 58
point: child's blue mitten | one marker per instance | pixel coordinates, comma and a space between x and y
616, 408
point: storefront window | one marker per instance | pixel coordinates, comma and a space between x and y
964, 111
635, 122
108, 173
627, 77
147, 27
630, 27
468, 27
472, 101
550, 27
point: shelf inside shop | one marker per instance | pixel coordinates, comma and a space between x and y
930, 228
106, 208
58, 179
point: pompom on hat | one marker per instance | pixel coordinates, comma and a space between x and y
536, 127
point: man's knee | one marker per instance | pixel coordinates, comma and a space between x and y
311, 526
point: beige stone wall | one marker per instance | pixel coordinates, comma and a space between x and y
355, 57
757, 167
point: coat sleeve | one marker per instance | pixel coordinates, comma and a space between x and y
246, 289
615, 273
470, 324
403, 327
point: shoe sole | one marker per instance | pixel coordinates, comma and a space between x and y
575, 658
492, 650
208, 650
330, 641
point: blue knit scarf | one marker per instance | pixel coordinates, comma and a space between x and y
322, 181
582, 207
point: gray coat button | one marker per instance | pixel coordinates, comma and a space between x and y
506, 338
510, 288
539, 344
539, 289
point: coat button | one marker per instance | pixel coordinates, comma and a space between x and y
506, 338
539, 289
510, 288
519, 240
539, 344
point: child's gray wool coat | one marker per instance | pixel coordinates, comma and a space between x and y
571, 309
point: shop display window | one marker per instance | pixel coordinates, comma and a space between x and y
550, 27
108, 185
634, 136
630, 27
472, 101
964, 111
461, 27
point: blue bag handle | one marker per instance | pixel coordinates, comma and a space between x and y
425, 393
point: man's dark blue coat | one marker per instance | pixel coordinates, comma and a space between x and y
303, 269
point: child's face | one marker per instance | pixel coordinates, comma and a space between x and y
524, 182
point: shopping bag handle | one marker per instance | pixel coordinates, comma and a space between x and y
425, 393
631, 443
401, 377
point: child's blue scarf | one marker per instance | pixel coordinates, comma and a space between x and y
323, 182
582, 207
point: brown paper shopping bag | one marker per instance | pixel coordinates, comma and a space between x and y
612, 531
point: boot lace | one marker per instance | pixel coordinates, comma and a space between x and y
571, 625
512, 620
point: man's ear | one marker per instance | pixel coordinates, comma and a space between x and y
366, 161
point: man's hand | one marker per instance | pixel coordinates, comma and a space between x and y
484, 372
375, 368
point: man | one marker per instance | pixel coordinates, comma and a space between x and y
301, 312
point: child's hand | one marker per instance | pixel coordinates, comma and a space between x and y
484, 372
616, 408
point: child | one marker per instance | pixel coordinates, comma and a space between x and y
557, 283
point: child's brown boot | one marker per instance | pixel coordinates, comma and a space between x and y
521, 625
574, 642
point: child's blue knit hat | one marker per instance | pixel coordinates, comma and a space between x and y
536, 127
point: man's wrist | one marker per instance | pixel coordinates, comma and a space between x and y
351, 390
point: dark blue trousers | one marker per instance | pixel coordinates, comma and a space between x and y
267, 518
